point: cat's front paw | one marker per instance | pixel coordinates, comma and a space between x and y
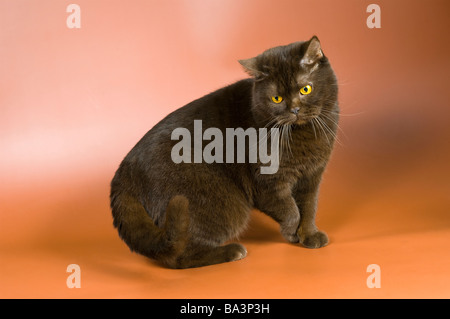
292, 238
314, 240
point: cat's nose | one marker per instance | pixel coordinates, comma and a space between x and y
295, 110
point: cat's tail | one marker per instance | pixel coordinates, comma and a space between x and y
141, 234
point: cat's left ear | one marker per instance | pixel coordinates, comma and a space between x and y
313, 53
251, 67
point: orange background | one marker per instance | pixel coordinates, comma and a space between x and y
74, 101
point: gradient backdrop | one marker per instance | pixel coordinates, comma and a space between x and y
73, 102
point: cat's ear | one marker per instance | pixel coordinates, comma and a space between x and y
313, 53
251, 67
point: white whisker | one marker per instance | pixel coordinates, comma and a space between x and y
320, 125
332, 133
335, 123
314, 129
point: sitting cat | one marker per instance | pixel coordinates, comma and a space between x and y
183, 214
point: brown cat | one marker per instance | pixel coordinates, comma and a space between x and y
181, 210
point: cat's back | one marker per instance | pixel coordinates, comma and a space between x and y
225, 105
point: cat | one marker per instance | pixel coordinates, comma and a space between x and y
184, 215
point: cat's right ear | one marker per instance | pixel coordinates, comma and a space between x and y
251, 67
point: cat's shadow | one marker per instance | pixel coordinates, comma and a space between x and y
262, 228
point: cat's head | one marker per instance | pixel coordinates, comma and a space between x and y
293, 83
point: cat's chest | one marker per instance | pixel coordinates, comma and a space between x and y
304, 160
306, 149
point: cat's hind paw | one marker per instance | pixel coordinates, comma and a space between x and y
236, 251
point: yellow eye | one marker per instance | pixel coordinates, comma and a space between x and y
277, 99
306, 90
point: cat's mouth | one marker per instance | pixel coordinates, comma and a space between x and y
304, 119
298, 119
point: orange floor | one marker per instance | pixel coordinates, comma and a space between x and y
73, 102
395, 223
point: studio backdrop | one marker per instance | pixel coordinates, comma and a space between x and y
82, 81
